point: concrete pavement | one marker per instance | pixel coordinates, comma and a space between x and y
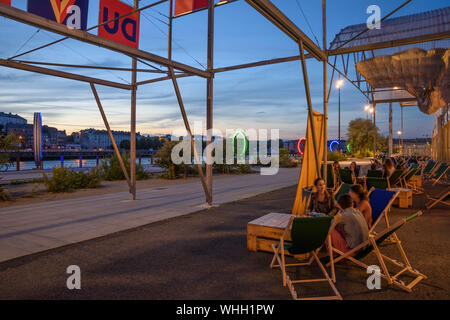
37, 227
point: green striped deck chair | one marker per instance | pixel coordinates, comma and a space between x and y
373, 245
440, 173
395, 178
308, 235
443, 198
374, 173
377, 183
331, 179
429, 169
344, 188
408, 176
346, 176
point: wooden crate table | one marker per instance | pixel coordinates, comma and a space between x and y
417, 181
267, 230
404, 199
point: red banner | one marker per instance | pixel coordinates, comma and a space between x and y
8, 2
125, 30
186, 6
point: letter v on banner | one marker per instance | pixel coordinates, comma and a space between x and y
8, 2
186, 6
125, 30
72, 13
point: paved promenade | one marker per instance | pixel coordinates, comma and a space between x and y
37, 227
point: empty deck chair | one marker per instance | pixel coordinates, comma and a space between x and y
395, 178
331, 178
381, 202
406, 179
428, 167
378, 183
346, 176
443, 198
373, 245
440, 173
308, 235
343, 189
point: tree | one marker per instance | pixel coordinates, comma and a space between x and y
125, 144
7, 143
360, 137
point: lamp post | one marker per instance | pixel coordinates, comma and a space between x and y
339, 85
399, 138
369, 110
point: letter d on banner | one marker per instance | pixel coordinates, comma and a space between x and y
125, 30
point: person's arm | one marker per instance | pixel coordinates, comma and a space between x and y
311, 202
367, 213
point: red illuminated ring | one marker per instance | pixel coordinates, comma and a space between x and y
298, 145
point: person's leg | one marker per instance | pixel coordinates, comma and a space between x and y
338, 241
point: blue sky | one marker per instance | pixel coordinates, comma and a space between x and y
264, 97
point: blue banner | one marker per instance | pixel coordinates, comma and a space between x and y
72, 13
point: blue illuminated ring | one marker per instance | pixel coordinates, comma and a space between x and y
331, 144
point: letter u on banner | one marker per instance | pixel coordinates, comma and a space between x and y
186, 6
125, 30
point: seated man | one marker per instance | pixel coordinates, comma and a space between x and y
351, 229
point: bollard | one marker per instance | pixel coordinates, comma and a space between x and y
81, 161
18, 164
62, 161
97, 160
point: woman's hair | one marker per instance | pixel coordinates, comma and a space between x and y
388, 163
345, 201
358, 189
353, 163
317, 181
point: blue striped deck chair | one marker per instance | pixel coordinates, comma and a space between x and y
373, 245
381, 202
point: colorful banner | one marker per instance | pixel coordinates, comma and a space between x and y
186, 6
8, 2
125, 30
72, 13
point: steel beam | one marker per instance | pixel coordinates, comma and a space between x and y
42, 23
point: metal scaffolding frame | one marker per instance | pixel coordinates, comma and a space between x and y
176, 70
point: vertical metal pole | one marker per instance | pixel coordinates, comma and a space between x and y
133, 124
210, 99
169, 45
391, 142
325, 93
310, 109
402, 129
374, 131
339, 120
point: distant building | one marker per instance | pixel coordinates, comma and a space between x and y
24, 132
9, 118
99, 139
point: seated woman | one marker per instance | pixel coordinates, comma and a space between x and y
336, 167
354, 169
388, 168
351, 227
359, 196
321, 201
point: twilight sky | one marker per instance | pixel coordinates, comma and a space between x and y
264, 97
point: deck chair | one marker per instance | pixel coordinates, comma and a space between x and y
406, 179
374, 173
378, 183
346, 176
373, 245
381, 202
440, 172
395, 178
428, 168
443, 198
308, 236
343, 189
331, 178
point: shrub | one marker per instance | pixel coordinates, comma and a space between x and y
65, 180
244, 168
285, 159
336, 156
4, 194
112, 171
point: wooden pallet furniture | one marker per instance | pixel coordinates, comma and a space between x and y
404, 198
267, 230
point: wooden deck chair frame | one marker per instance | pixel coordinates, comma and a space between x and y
384, 213
439, 199
405, 265
440, 176
433, 171
426, 174
279, 257
412, 186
